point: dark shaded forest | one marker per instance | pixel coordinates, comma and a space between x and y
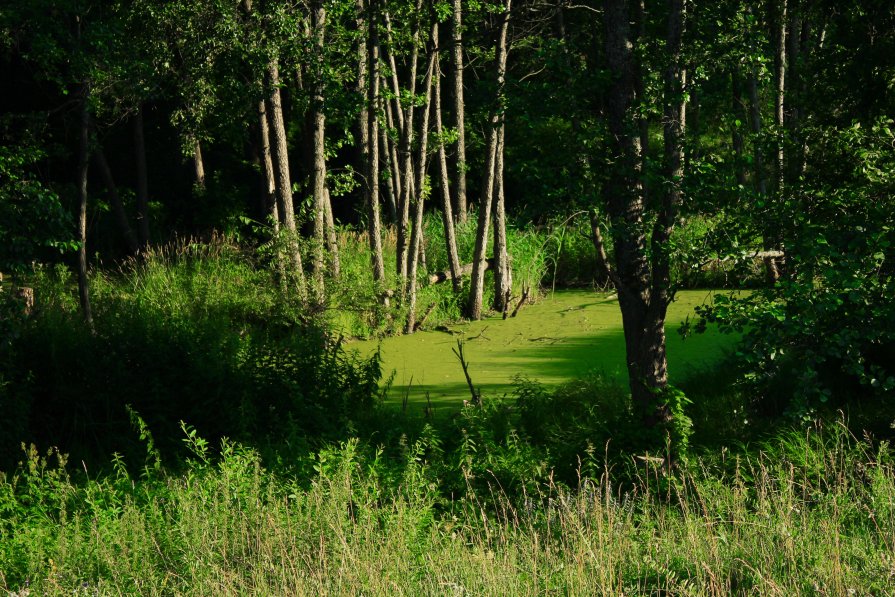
202, 204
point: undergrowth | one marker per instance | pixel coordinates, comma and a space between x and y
809, 512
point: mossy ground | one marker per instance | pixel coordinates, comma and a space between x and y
562, 337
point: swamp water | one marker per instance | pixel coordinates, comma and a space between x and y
566, 335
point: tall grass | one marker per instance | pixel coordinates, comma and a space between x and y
355, 302
192, 332
810, 513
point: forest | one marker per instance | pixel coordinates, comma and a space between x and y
447, 297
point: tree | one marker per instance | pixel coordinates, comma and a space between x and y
476, 290
641, 276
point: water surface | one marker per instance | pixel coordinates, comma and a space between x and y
565, 335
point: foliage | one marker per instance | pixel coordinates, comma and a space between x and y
358, 521
192, 333
32, 217
823, 334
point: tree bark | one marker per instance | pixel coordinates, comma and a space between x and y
623, 195
198, 165
133, 244
390, 161
372, 174
503, 275
319, 176
780, 91
738, 110
270, 182
280, 159
450, 237
142, 180
416, 237
459, 107
477, 283
772, 273
391, 152
407, 190
654, 362
83, 162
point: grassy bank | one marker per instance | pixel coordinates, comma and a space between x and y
809, 513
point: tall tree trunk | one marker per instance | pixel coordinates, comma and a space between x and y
779, 21
450, 237
772, 273
640, 93
416, 237
198, 165
280, 158
459, 107
391, 152
124, 226
319, 177
83, 162
332, 237
271, 204
142, 180
623, 195
503, 275
654, 362
799, 50
390, 160
477, 283
738, 110
372, 174
270, 182
407, 186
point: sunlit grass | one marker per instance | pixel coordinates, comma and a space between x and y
810, 513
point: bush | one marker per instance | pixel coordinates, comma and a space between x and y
194, 333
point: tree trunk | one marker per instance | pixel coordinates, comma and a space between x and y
270, 182
332, 237
780, 90
624, 197
476, 289
124, 226
280, 158
83, 160
796, 42
391, 152
390, 160
503, 275
416, 237
372, 174
142, 181
450, 237
407, 190
772, 273
640, 94
459, 106
738, 110
198, 165
654, 362
319, 176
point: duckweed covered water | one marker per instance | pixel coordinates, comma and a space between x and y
566, 335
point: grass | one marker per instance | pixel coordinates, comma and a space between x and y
809, 513
564, 336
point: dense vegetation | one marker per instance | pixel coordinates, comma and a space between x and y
200, 202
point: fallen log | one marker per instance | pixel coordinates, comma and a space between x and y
465, 270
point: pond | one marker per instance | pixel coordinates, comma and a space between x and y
567, 334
